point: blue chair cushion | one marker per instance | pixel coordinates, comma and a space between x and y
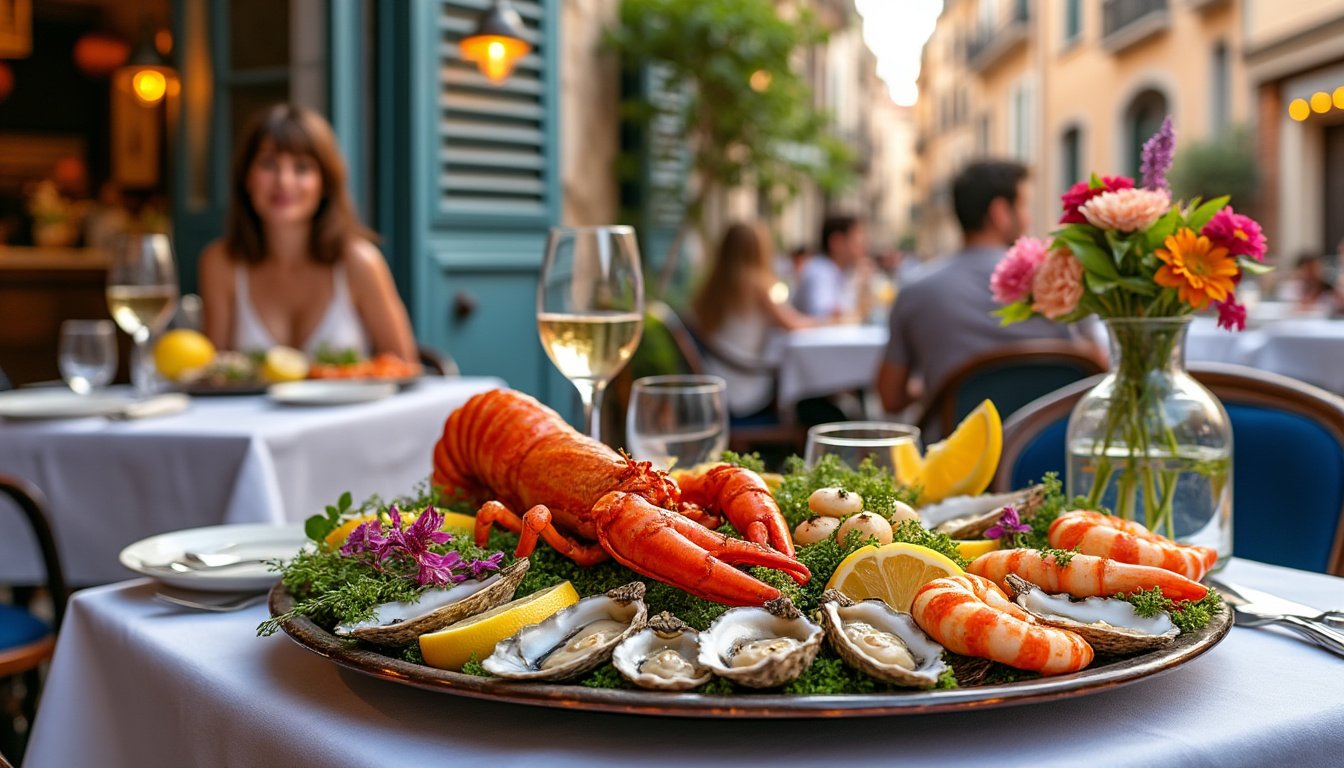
1287, 483
765, 418
19, 627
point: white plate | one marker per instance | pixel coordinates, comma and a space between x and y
57, 403
252, 541
324, 392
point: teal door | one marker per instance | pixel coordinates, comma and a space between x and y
468, 184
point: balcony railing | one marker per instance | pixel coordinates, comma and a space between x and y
1126, 23
989, 47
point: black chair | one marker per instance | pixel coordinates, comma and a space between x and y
1011, 376
436, 363
26, 641
1287, 463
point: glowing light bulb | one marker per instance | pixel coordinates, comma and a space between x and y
149, 86
1320, 102
1299, 110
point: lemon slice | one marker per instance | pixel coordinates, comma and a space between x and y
180, 351
908, 463
973, 548
454, 645
893, 572
284, 364
458, 522
964, 464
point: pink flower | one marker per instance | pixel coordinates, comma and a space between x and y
1011, 281
1058, 285
1231, 315
1240, 235
1081, 192
1127, 210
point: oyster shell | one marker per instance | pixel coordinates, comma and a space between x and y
398, 624
1110, 625
664, 656
572, 641
760, 647
968, 517
880, 641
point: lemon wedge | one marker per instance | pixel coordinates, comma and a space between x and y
892, 572
458, 522
965, 462
284, 364
454, 645
973, 548
182, 350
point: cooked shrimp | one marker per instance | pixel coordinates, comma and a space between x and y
971, 616
1093, 533
1084, 576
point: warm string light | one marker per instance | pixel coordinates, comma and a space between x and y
1319, 103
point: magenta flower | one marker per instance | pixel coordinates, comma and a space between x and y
1240, 235
1158, 153
1008, 527
1231, 315
1082, 192
1012, 278
409, 552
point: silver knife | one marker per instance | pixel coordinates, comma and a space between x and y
1254, 601
1312, 627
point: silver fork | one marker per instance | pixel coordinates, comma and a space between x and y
223, 606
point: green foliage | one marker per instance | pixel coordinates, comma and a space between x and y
1053, 504
1187, 615
1223, 166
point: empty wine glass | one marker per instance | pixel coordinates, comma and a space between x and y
88, 354
141, 294
890, 445
590, 308
677, 421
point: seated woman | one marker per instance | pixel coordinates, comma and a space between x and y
295, 266
735, 314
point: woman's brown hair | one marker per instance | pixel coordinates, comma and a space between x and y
293, 130
743, 256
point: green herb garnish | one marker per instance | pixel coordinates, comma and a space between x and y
1187, 615
1062, 556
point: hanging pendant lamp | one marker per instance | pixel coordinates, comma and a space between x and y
497, 44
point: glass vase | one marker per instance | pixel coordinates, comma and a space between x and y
1152, 444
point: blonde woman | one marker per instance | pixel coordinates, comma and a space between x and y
736, 317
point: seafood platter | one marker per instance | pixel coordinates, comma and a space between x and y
545, 568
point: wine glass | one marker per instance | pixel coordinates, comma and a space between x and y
88, 354
590, 308
678, 421
141, 294
891, 446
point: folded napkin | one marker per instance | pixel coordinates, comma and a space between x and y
162, 405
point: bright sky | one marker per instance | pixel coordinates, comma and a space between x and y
895, 31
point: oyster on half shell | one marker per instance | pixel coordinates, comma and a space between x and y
760, 647
1110, 625
572, 641
664, 656
398, 624
968, 517
880, 641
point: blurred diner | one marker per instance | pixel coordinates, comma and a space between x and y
833, 283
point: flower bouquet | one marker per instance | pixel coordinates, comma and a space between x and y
1148, 441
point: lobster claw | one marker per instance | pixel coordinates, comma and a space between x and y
742, 496
668, 547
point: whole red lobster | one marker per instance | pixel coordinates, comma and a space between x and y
506, 451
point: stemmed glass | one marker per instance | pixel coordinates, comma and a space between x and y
141, 294
590, 308
678, 421
88, 354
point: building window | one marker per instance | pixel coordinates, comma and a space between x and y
1070, 157
1143, 118
1220, 82
1073, 20
982, 135
1019, 122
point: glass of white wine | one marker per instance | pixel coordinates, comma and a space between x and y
141, 295
590, 308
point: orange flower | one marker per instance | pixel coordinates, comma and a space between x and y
1199, 271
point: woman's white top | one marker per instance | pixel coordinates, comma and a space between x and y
338, 330
745, 336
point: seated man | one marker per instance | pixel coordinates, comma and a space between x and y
944, 316
832, 285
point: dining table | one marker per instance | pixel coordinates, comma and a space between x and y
224, 460
828, 360
135, 682
1310, 349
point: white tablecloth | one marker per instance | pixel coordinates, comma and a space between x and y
1310, 349
827, 360
224, 460
135, 683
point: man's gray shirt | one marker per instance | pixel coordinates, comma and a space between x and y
943, 318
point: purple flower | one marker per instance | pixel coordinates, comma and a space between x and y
1157, 155
1008, 527
439, 569
367, 537
481, 567
409, 551
1231, 315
